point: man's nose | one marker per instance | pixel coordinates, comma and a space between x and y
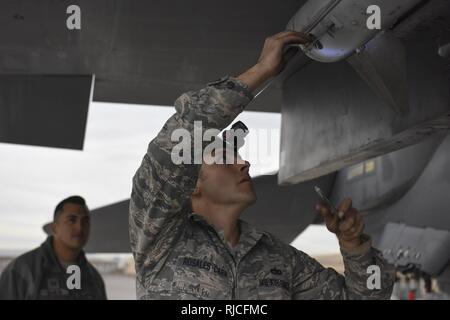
245, 166
78, 226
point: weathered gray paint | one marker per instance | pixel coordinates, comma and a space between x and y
146, 52
425, 248
427, 202
46, 111
331, 118
393, 175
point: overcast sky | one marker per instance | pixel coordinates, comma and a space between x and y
34, 179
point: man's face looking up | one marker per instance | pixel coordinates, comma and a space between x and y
223, 183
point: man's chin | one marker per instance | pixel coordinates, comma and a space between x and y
77, 244
249, 198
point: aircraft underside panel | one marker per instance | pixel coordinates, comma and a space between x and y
142, 52
381, 181
426, 203
44, 110
425, 248
332, 118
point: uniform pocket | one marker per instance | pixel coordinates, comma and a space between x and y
274, 284
200, 279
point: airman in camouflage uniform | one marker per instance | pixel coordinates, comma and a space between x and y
182, 254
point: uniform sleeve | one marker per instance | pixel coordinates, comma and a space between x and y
161, 189
361, 281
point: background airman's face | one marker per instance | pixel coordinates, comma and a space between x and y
72, 226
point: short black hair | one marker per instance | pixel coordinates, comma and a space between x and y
72, 199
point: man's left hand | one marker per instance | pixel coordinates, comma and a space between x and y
347, 224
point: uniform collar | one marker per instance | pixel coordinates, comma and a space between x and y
50, 259
249, 236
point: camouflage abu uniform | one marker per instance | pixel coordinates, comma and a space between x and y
178, 255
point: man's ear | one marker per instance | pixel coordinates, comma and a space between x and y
53, 227
198, 184
197, 188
